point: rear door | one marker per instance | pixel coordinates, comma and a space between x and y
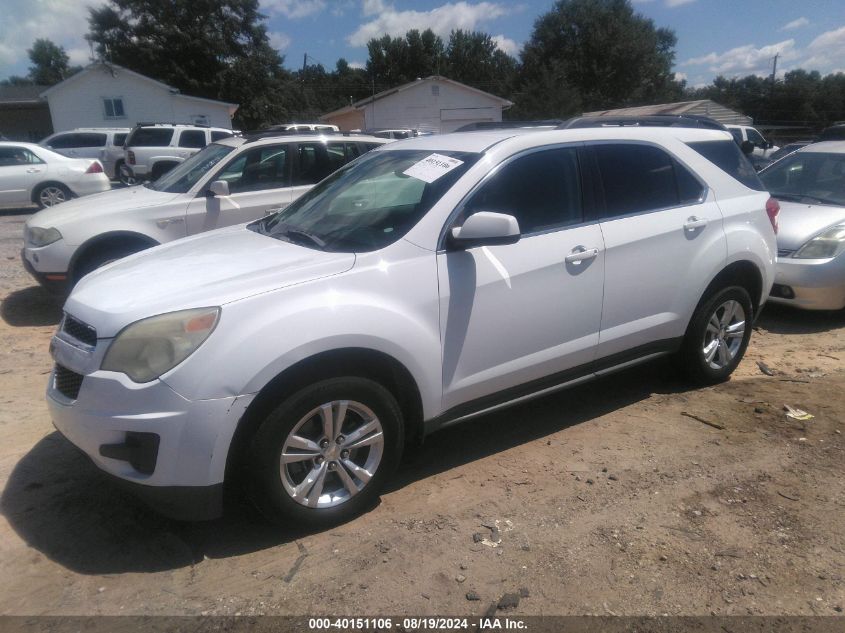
663, 234
20, 169
258, 180
516, 315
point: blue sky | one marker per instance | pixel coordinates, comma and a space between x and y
730, 37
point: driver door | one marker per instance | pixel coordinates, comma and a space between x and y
259, 181
515, 315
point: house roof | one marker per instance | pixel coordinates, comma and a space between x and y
21, 95
391, 91
114, 68
706, 107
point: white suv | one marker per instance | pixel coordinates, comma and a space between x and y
229, 182
153, 149
105, 144
430, 281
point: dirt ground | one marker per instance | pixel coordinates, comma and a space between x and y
611, 498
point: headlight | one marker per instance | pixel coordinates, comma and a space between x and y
150, 347
825, 245
37, 236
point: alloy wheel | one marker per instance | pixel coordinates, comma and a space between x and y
724, 334
331, 454
51, 196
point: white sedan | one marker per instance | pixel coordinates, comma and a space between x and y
30, 174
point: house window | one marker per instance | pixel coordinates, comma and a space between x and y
435, 90
199, 119
113, 107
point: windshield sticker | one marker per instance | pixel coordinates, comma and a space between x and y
432, 167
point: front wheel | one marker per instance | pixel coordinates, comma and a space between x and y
717, 336
324, 454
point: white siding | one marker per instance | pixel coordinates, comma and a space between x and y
419, 107
79, 102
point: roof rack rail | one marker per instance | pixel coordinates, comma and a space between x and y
652, 120
507, 125
145, 123
257, 135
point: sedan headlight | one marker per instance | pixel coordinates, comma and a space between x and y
825, 245
150, 347
37, 236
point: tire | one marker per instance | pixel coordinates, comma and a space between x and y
51, 194
102, 256
717, 336
349, 479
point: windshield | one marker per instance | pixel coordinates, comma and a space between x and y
186, 174
370, 203
812, 177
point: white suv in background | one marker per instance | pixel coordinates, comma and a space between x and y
153, 149
743, 133
104, 144
430, 281
229, 182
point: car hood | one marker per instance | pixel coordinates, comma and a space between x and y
799, 222
106, 202
210, 269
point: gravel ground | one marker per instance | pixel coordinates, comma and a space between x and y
633, 495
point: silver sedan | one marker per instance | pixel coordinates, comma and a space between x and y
810, 186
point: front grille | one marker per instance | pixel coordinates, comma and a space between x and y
67, 382
79, 330
785, 252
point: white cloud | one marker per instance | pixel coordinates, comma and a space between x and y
681, 77
279, 41
746, 59
359, 65
294, 9
826, 51
64, 22
442, 20
506, 45
795, 24
677, 3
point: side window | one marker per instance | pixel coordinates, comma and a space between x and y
192, 138
737, 134
216, 135
90, 140
728, 157
754, 137
690, 189
635, 178
337, 155
12, 156
258, 169
542, 190
63, 141
119, 139
353, 151
150, 137
313, 164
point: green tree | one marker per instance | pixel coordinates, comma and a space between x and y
473, 58
209, 48
50, 63
595, 54
397, 60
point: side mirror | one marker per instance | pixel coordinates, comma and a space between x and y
486, 228
747, 148
218, 188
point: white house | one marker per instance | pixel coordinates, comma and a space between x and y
108, 95
433, 104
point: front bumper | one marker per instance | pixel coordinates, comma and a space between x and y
55, 282
104, 414
811, 284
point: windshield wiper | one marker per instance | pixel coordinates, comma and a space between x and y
288, 231
801, 197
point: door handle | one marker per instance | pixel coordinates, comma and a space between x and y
580, 254
694, 222
33, 170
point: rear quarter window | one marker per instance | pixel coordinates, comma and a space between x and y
730, 159
150, 137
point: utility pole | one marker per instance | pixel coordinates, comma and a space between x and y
774, 71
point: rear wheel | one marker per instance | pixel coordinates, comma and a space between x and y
717, 336
323, 455
52, 194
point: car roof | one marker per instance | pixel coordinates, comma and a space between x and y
237, 141
480, 141
25, 144
827, 147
